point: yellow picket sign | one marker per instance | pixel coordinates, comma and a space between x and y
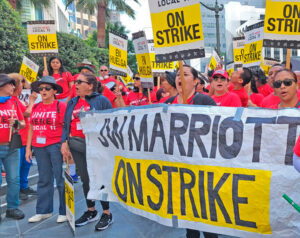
42, 42
282, 17
219, 196
144, 65
253, 52
117, 57
29, 69
69, 196
215, 59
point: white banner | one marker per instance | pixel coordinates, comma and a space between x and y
215, 169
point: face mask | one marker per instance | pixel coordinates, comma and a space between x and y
4, 99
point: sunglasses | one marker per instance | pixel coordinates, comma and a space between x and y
23, 81
78, 81
136, 78
103, 70
222, 78
286, 82
47, 88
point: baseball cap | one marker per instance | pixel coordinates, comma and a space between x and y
221, 72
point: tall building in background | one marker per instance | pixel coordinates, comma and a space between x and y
209, 28
56, 11
85, 23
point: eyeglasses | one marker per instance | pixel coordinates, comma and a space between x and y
78, 81
103, 70
222, 78
47, 88
23, 81
136, 78
286, 82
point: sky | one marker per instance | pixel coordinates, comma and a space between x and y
142, 19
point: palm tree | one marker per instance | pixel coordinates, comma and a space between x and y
102, 7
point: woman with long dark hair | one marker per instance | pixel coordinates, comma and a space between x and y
62, 77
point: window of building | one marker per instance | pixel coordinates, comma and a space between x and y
294, 52
93, 24
277, 53
78, 20
268, 52
85, 22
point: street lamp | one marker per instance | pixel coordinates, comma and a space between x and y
217, 8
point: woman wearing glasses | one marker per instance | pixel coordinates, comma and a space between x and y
44, 135
139, 96
87, 99
285, 87
61, 76
221, 94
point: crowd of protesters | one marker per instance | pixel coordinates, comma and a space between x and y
50, 127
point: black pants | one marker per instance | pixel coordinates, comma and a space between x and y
79, 157
196, 234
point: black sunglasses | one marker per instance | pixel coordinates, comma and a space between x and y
23, 81
222, 78
136, 78
286, 82
47, 88
103, 70
78, 81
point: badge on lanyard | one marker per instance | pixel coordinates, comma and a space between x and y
41, 140
78, 126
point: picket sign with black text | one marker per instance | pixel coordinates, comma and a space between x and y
238, 51
159, 69
42, 38
215, 169
214, 61
29, 69
253, 45
143, 58
230, 68
177, 30
282, 24
267, 63
118, 53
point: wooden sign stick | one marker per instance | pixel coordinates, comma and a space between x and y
12, 116
158, 82
149, 96
45, 63
118, 83
288, 58
182, 82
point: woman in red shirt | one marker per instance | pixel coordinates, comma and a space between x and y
61, 76
10, 116
44, 135
285, 87
139, 96
25, 190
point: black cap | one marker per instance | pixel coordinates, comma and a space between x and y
86, 67
171, 76
4, 79
46, 80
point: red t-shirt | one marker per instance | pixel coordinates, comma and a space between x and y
5, 114
227, 100
188, 100
276, 106
76, 129
47, 123
63, 81
138, 99
270, 100
230, 87
265, 90
162, 100
257, 99
23, 132
243, 96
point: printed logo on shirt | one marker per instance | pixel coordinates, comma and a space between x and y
5, 115
40, 120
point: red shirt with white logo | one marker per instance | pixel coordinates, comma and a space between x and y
138, 99
270, 100
227, 100
47, 123
265, 90
243, 96
76, 129
23, 132
6, 110
110, 79
63, 80
257, 99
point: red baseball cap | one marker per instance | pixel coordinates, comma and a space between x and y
221, 72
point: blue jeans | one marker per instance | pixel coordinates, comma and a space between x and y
49, 161
24, 169
11, 161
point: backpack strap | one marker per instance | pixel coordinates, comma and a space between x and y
58, 110
192, 101
297, 105
34, 107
